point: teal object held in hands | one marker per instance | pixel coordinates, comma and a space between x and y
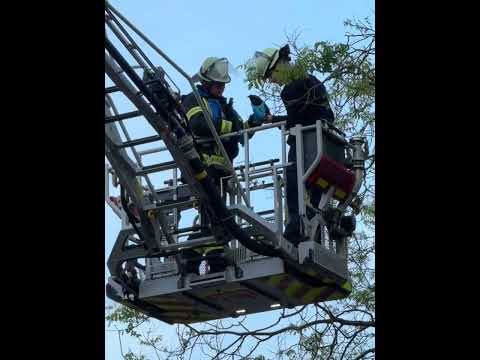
260, 109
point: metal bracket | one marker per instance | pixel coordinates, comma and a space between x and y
120, 254
265, 228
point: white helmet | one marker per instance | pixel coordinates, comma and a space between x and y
267, 59
214, 69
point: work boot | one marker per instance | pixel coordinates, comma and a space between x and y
349, 224
310, 213
192, 266
329, 214
217, 263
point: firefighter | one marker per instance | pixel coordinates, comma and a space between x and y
306, 101
213, 76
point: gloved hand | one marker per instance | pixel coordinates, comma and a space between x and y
252, 121
260, 109
228, 108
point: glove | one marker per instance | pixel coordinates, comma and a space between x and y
228, 108
253, 121
237, 124
260, 109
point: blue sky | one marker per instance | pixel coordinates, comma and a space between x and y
190, 31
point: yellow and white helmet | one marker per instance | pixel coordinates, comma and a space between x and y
266, 59
214, 69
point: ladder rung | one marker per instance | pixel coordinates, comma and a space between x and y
146, 140
266, 212
172, 205
132, 114
111, 89
157, 167
265, 162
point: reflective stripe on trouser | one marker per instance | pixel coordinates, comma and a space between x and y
206, 250
212, 248
215, 160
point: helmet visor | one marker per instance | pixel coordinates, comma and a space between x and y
264, 63
217, 71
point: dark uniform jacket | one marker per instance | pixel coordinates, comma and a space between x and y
224, 117
306, 101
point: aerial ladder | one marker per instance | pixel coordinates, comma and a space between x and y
263, 270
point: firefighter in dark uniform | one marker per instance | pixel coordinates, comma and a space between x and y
213, 75
306, 101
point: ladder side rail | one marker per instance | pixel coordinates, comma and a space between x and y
126, 175
116, 16
113, 132
159, 125
160, 218
226, 136
132, 47
134, 151
124, 37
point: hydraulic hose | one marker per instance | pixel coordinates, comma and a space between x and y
227, 219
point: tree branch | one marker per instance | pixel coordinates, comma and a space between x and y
365, 353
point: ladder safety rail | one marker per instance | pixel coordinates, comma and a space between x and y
229, 135
315, 163
357, 144
360, 153
116, 27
